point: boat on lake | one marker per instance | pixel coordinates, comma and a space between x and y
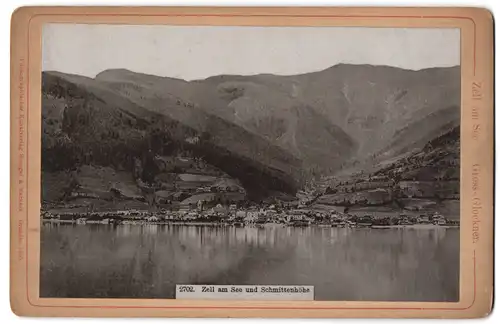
272, 225
381, 226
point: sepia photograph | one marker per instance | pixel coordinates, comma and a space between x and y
323, 157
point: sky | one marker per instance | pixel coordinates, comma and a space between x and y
197, 52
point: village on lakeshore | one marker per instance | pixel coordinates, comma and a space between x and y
271, 215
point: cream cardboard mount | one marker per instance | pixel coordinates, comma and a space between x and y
252, 162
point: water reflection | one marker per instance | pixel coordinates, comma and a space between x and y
133, 261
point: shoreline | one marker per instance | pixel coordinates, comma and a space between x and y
269, 225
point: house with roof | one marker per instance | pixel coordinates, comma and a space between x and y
251, 216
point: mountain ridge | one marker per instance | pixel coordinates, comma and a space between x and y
128, 70
268, 132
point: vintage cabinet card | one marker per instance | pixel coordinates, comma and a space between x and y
252, 162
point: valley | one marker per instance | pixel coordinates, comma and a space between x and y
352, 138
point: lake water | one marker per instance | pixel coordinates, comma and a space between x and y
132, 261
